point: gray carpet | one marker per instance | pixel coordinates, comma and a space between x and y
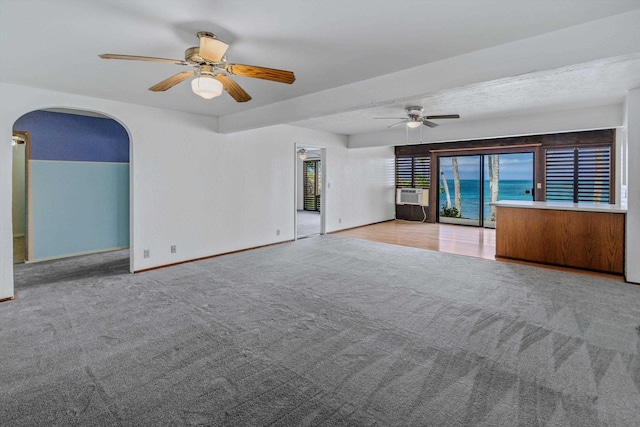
325, 331
307, 223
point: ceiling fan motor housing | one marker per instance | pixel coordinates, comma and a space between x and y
414, 111
192, 55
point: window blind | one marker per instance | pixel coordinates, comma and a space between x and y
311, 185
413, 172
578, 174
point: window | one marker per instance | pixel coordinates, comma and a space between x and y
413, 172
312, 185
578, 174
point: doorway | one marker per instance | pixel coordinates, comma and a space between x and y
309, 191
20, 144
469, 183
75, 190
312, 184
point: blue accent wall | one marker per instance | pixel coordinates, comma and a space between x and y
79, 207
59, 136
79, 183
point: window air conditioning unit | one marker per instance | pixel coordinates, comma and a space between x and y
412, 196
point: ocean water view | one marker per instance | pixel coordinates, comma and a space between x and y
470, 195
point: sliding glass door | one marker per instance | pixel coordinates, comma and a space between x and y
469, 183
460, 190
506, 177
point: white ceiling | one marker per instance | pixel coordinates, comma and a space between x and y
353, 59
600, 82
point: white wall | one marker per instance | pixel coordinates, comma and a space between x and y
621, 166
205, 192
360, 184
632, 119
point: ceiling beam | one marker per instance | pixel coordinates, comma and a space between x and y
601, 117
613, 36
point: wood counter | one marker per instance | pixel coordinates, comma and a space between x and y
585, 236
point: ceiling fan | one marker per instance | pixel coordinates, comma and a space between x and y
416, 118
212, 71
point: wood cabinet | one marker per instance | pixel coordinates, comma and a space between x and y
586, 239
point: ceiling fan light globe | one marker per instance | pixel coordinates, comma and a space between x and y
414, 123
206, 86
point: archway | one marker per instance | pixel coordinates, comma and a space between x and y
77, 183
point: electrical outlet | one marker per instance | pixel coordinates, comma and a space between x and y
146, 253
277, 232
173, 249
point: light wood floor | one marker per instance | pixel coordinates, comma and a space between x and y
455, 239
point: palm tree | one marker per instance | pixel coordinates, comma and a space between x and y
456, 183
445, 186
494, 179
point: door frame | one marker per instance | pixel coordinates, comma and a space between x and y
28, 235
296, 184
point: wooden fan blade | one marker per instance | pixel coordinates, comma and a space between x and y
428, 123
142, 58
396, 124
211, 49
443, 116
272, 74
172, 81
233, 88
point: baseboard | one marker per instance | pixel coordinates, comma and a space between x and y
360, 226
209, 257
75, 254
7, 299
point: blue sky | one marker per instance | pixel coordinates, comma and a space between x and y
513, 167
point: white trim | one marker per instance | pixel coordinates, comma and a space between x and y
323, 204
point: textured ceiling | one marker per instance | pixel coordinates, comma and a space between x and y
600, 82
334, 47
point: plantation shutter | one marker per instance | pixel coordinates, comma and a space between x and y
594, 170
413, 172
311, 185
578, 174
404, 172
421, 172
560, 174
